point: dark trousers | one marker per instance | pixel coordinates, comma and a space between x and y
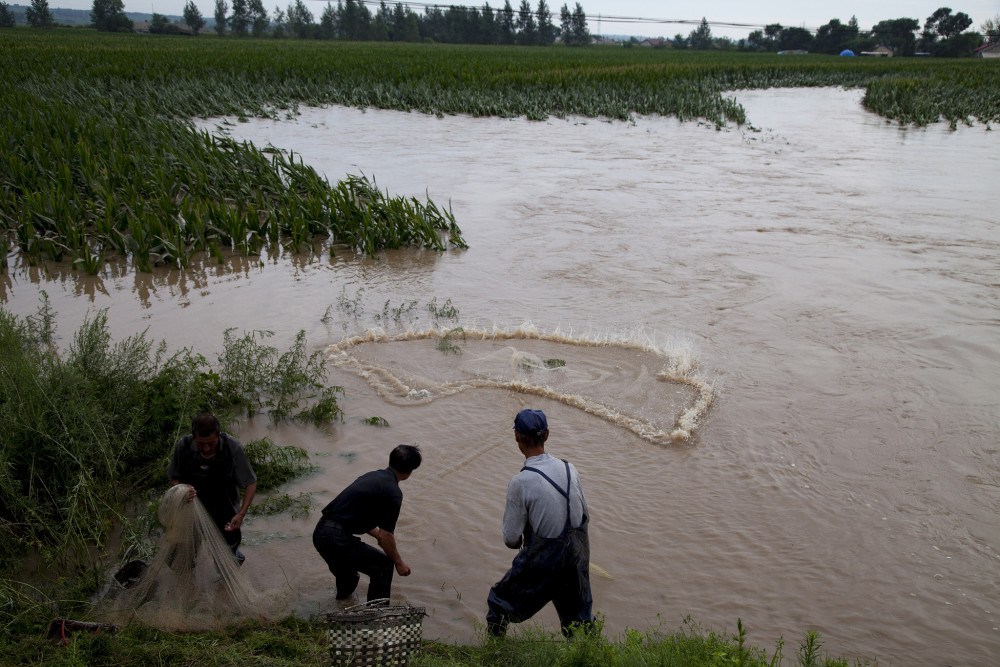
346, 555
546, 570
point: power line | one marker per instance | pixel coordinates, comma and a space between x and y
642, 20
602, 17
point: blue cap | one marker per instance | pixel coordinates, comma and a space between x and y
531, 421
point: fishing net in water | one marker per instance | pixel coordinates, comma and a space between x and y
194, 581
654, 391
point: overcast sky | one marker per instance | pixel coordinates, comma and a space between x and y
799, 13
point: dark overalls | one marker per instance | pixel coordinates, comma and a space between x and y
552, 569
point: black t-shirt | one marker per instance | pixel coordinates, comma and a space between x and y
372, 500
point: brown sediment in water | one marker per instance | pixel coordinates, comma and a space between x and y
837, 276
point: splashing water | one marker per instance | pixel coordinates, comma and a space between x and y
664, 383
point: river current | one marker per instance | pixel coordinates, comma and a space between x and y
771, 351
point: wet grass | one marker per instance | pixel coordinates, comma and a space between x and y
302, 643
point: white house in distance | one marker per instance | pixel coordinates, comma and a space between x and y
989, 51
880, 51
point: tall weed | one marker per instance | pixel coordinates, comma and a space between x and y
82, 432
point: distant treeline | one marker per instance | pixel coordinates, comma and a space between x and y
943, 33
347, 20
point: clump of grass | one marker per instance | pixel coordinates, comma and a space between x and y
280, 503
529, 364
275, 465
375, 421
259, 377
446, 342
446, 311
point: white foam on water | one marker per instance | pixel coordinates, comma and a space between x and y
499, 369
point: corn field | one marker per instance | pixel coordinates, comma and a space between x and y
100, 155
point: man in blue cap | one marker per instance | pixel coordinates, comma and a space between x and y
546, 519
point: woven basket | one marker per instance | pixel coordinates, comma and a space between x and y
374, 633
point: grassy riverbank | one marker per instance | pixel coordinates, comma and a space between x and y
302, 643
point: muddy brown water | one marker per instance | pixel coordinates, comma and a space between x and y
832, 278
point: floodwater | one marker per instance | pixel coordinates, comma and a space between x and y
781, 348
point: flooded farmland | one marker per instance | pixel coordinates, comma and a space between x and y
781, 348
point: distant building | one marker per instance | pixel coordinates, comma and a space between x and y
879, 51
989, 51
654, 42
793, 52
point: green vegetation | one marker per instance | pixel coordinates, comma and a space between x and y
85, 432
297, 506
100, 155
446, 343
259, 377
276, 465
446, 311
302, 643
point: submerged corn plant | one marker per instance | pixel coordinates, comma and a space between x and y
446, 343
100, 155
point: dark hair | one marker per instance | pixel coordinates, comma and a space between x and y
205, 424
532, 439
405, 458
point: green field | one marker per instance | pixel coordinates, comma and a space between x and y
100, 157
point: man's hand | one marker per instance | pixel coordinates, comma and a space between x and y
234, 523
387, 541
191, 491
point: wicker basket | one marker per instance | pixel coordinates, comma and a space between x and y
374, 633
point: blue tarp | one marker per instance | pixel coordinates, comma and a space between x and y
847, 52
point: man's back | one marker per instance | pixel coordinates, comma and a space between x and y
534, 502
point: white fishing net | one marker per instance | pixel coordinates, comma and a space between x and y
194, 581
652, 390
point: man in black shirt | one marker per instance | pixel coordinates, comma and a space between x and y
216, 467
369, 505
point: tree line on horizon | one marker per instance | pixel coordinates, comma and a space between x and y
352, 20
943, 33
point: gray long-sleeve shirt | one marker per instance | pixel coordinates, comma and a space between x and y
531, 500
